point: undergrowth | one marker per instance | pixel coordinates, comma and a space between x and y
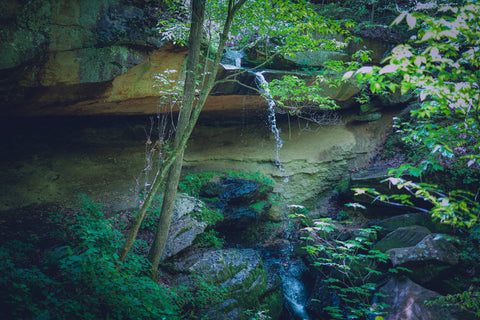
79, 277
192, 183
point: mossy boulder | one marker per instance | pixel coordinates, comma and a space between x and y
430, 259
402, 237
409, 219
433, 247
238, 273
186, 225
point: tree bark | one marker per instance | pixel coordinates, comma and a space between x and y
188, 118
188, 104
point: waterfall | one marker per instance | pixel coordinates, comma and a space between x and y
232, 59
272, 119
295, 296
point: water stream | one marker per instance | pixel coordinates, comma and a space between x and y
291, 268
272, 119
294, 290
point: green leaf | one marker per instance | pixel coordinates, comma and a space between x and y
399, 18
390, 68
411, 21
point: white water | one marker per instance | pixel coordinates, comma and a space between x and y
272, 119
232, 59
294, 290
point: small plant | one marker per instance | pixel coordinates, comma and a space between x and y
467, 300
153, 214
210, 238
210, 216
192, 183
204, 295
350, 269
80, 278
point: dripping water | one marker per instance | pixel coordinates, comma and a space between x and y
272, 119
232, 59
294, 292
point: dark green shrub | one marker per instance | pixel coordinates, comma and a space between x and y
210, 238
192, 183
81, 278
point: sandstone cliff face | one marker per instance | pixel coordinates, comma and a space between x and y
91, 57
99, 57
59, 53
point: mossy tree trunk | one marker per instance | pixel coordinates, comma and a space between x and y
189, 118
188, 104
190, 111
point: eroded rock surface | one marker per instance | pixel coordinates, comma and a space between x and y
238, 273
406, 300
433, 247
402, 237
185, 227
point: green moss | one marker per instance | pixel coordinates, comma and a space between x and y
251, 288
210, 216
209, 238
259, 206
192, 183
272, 302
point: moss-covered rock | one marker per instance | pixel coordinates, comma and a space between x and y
402, 237
429, 259
409, 219
186, 225
238, 273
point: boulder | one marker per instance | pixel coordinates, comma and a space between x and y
409, 219
402, 237
406, 300
185, 226
430, 261
434, 247
238, 272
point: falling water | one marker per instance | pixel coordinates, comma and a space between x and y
294, 290
272, 119
232, 59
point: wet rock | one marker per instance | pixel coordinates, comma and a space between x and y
406, 300
241, 201
434, 247
369, 117
237, 272
402, 237
294, 290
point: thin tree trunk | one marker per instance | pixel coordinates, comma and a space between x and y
161, 235
188, 104
176, 157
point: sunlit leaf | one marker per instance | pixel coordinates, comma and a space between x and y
348, 75
399, 18
411, 21
389, 69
